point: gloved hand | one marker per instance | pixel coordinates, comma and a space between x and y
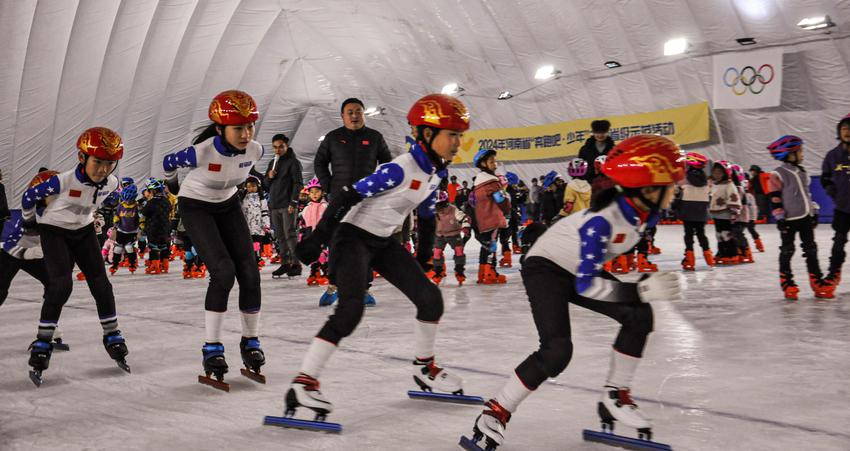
309, 248
659, 286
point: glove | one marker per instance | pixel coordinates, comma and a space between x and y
309, 248
660, 286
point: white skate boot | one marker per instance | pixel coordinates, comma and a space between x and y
431, 377
490, 425
617, 405
304, 392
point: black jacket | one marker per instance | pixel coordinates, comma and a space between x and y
284, 188
4, 205
345, 156
589, 153
157, 224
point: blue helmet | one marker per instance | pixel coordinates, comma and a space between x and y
550, 178
783, 146
482, 155
155, 185
513, 179
129, 193
125, 181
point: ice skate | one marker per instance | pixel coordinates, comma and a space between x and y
215, 365
430, 378
253, 358
709, 258
117, 349
621, 265
369, 300
200, 272
759, 245
40, 352
644, 265
490, 426
153, 268
516, 249
617, 405
505, 261
747, 256
689, 261
329, 296
461, 278
163, 266
59, 345
304, 392
790, 288
487, 275
280, 271
822, 288
294, 270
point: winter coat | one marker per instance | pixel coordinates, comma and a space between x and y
346, 156
256, 211
312, 213
835, 177
588, 153
725, 200
549, 205
157, 226
489, 215
692, 197
284, 188
577, 193
793, 182
451, 221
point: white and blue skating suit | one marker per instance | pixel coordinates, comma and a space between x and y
565, 266
212, 215
363, 241
66, 226
21, 251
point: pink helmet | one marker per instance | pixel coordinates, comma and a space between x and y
577, 167
738, 172
313, 183
442, 196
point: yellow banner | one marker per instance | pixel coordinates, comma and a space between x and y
685, 125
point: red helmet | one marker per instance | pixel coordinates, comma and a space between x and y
439, 111
645, 160
696, 159
102, 143
233, 108
42, 177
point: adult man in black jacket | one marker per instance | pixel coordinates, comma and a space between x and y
350, 152
598, 144
283, 180
4, 205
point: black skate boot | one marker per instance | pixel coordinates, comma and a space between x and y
40, 352
253, 358
214, 364
117, 349
294, 270
281, 270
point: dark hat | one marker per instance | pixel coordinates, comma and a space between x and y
600, 126
350, 100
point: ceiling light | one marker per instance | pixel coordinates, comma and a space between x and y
452, 89
505, 95
546, 72
612, 64
321, 138
374, 111
746, 41
675, 46
815, 23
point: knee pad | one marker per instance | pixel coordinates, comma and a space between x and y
459, 251
557, 355
129, 248
438, 253
256, 246
117, 249
638, 319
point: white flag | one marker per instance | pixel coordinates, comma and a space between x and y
748, 79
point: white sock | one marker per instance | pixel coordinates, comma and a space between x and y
213, 321
424, 336
251, 324
317, 356
513, 393
622, 369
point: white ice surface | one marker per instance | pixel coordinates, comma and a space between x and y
731, 367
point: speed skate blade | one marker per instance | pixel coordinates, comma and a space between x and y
215, 383
35, 377
256, 377
123, 365
445, 397
467, 444
624, 442
60, 346
320, 426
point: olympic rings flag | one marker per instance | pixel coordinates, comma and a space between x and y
748, 79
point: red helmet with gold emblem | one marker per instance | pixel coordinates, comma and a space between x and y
439, 111
233, 108
645, 160
101, 143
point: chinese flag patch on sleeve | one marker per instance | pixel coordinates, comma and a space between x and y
75, 193
214, 167
619, 238
414, 184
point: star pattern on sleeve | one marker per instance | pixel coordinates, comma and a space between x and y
186, 158
594, 234
38, 192
428, 208
387, 177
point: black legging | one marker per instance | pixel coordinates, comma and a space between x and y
9, 267
358, 252
62, 248
726, 245
807, 243
220, 234
695, 228
551, 290
841, 226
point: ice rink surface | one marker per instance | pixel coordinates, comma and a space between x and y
733, 366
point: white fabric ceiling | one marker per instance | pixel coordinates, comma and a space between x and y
149, 68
